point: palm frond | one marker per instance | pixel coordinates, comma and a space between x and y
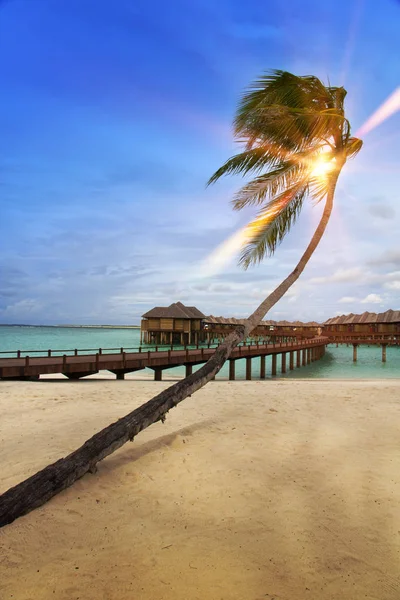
353, 147
284, 89
267, 186
292, 129
272, 224
250, 160
289, 101
317, 189
297, 170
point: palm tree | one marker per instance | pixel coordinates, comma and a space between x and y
296, 140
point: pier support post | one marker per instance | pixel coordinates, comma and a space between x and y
231, 369
248, 369
274, 365
291, 361
188, 370
283, 362
262, 367
157, 374
298, 358
355, 352
120, 375
384, 346
304, 357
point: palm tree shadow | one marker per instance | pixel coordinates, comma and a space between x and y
133, 454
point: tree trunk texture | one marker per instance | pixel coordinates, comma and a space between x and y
37, 489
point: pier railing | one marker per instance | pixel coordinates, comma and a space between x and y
143, 348
355, 337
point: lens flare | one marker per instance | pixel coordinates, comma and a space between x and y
386, 110
220, 258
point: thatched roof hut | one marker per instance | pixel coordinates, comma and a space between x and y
385, 323
226, 322
390, 316
176, 323
177, 310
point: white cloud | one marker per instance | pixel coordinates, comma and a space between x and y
372, 299
393, 285
393, 281
347, 299
341, 276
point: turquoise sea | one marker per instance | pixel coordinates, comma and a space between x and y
336, 364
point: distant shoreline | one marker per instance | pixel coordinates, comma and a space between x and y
73, 326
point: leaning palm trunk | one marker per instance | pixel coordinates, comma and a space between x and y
36, 490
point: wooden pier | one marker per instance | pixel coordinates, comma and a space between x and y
356, 339
74, 365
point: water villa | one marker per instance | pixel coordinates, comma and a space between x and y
387, 323
174, 324
218, 327
186, 325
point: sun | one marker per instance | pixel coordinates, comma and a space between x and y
322, 167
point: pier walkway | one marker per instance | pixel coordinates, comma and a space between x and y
356, 339
74, 365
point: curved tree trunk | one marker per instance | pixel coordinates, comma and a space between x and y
36, 490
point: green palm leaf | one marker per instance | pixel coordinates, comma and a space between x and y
268, 232
269, 185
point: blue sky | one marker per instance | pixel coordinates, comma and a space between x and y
113, 115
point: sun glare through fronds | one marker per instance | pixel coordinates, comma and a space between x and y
223, 254
322, 167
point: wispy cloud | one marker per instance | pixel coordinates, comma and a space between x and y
389, 257
348, 300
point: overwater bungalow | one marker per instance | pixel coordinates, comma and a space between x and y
308, 329
185, 325
174, 324
221, 326
386, 323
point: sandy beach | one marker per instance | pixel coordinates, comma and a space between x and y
279, 490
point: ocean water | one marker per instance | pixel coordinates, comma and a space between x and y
336, 364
